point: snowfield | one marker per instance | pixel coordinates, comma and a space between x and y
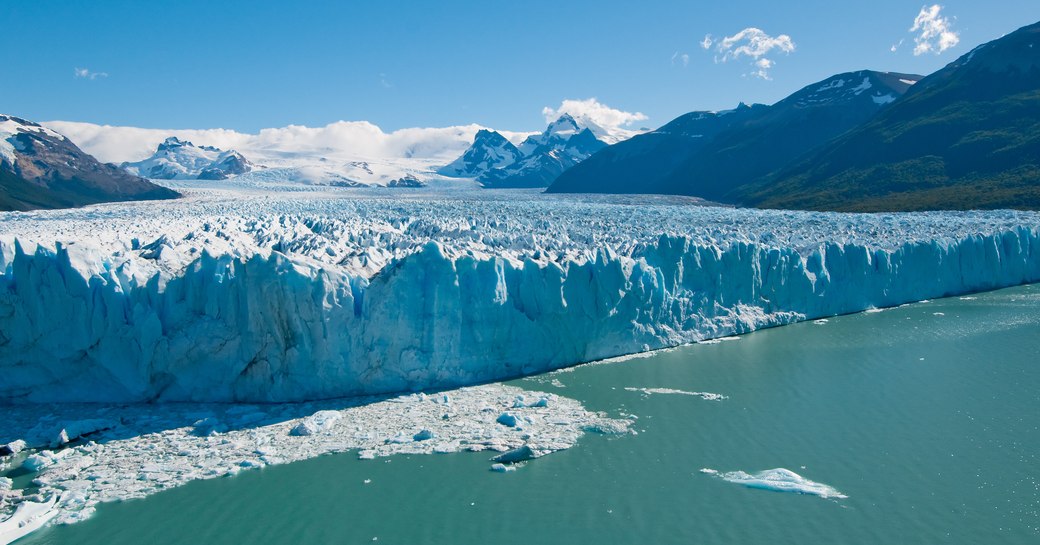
253, 295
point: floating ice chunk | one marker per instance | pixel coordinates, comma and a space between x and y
780, 480
321, 421
502, 468
516, 455
14, 447
42, 459
27, 518
424, 435
821, 321
522, 402
507, 419
707, 396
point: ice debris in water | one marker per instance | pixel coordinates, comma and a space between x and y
780, 480
707, 396
151, 447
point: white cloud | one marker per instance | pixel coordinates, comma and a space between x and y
385, 82
935, 32
614, 123
342, 140
85, 73
684, 58
753, 44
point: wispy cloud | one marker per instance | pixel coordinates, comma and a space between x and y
934, 32
385, 82
683, 58
85, 73
752, 44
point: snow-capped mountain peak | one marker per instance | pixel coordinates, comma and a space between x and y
180, 159
489, 150
11, 127
495, 161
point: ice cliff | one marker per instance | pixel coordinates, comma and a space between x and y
335, 297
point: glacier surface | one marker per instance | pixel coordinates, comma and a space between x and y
243, 294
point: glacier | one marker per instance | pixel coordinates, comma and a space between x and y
248, 295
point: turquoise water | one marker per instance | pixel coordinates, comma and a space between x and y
926, 416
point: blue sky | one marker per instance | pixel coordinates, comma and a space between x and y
250, 65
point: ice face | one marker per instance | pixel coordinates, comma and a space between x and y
244, 295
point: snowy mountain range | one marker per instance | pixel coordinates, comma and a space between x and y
495, 162
177, 159
40, 168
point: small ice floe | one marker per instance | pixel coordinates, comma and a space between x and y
321, 421
821, 321
707, 396
14, 447
779, 480
502, 468
507, 419
938, 314
968, 298
874, 310
718, 340
28, 517
522, 402
424, 435
521, 454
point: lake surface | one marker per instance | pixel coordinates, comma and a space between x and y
925, 416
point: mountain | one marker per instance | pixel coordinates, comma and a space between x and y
177, 159
709, 154
489, 150
40, 168
495, 162
965, 137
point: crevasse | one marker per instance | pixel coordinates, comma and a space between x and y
75, 326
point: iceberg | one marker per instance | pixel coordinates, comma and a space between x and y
273, 296
778, 480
